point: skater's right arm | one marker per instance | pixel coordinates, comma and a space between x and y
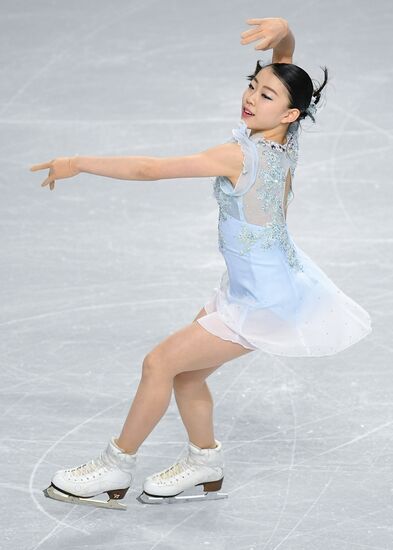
222, 160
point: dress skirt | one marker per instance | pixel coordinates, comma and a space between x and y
263, 303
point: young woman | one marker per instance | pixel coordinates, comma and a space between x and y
271, 296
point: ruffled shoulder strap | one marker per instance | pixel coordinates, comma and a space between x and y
241, 130
247, 177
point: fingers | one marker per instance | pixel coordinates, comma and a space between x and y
250, 31
41, 166
260, 47
48, 181
252, 37
250, 34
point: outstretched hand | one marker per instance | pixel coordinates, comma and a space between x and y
270, 31
62, 167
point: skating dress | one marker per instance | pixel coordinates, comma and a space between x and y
272, 296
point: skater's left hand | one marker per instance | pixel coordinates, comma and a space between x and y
269, 30
62, 167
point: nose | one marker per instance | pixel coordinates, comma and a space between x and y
250, 97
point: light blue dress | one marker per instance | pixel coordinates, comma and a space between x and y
272, 296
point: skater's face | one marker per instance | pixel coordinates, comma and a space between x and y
267, 99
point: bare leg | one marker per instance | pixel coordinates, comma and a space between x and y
149, 405
188, 350
195, 404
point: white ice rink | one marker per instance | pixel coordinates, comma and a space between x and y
98, 271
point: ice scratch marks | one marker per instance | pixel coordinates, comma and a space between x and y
324, 489
73, 41
92, 308
62, 525
316, 533
292, 461
172, 529
310, 459
346, 116
351, 441
307, 460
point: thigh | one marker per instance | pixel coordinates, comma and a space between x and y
193, 348
195, 376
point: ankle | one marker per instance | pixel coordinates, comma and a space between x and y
208, 446
124, 448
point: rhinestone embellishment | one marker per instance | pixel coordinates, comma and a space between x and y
269, 190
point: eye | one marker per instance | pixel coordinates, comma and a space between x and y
263, 95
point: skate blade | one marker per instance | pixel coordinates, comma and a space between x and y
52, 492
193, 494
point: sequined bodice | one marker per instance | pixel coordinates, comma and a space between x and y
262, 193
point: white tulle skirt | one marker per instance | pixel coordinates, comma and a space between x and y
261, 303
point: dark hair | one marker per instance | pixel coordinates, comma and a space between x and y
298, 83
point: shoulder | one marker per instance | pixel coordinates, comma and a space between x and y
228, 155
239, 153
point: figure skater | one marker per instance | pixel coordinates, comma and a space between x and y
271, 296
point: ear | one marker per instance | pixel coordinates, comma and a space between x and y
292, 115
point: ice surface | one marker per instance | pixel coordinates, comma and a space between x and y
98, 271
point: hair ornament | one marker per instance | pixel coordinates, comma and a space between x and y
311, 109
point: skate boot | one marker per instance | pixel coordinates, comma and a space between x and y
197, 476
112, 473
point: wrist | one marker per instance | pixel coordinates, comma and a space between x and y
286, 25
283, 52
74, 164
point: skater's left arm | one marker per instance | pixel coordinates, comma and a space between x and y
272, 33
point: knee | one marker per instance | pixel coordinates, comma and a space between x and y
153, 365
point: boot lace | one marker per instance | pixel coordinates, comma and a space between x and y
176, 469
90, 466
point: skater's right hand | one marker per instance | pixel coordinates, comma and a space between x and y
269, 30
62, 167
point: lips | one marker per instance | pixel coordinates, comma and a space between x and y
246, 112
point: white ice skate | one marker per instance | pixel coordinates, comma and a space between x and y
197, 476
112, 472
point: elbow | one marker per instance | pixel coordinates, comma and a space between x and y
150, 170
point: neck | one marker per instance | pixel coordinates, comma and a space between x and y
276, 134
